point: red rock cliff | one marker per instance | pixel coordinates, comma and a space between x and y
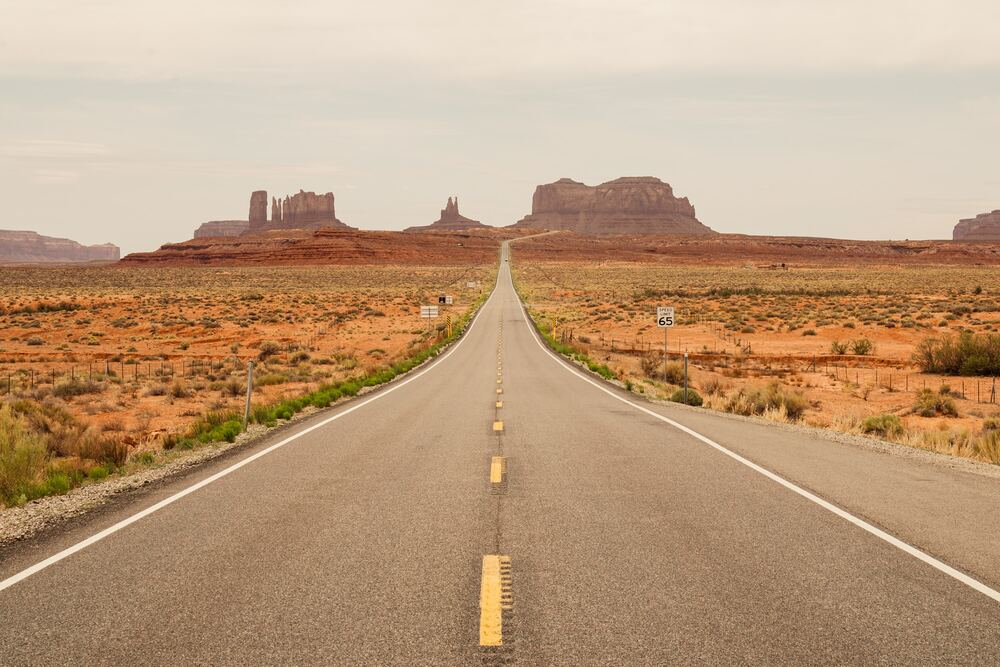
31, 248
983, 227
630, 205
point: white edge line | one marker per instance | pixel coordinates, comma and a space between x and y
110, 530
860, 523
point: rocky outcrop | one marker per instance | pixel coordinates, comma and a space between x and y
450, 221
31, 248
258, 209
630, 205
330, 246
983, 227
221, 228
303, 210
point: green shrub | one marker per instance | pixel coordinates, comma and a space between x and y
97, 473
76, 388
862, 346
690, 397
887, 425
965, 354
58, 483
838, 348
23, 457
991, 424
931, 403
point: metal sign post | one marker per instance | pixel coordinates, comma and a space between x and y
428, 313
246, 410
665, 320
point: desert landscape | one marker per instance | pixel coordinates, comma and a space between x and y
803, 337
114, 366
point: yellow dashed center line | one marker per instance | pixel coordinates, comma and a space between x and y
494, 599
498, 427
497, 466
499, 404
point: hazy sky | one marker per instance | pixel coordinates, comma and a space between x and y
133, 122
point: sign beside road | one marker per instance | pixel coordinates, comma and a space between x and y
472, 284
664, 316
428, 311
446, 299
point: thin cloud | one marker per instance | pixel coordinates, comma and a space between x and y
52, 149
54, 177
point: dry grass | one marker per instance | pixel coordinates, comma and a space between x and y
839, 343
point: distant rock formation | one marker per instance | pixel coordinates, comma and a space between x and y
329, 246
32, 248
221, 228
258, 209
983, 227
630, 205
304, 210
450, 221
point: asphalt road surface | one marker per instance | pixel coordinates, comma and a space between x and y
367, 535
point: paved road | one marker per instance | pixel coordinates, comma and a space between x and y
631, 542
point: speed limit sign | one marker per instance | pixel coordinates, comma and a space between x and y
664, 316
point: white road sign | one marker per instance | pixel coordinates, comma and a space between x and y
428, 311
664, 316
472, 284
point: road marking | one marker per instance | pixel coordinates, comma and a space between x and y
498, 427
110, 530
499, 381
972, 583
499, 390
498, 464
495, 597
499, 404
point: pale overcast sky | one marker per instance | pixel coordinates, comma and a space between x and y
133, 122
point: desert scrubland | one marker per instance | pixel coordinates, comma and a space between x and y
906, 353
107, 368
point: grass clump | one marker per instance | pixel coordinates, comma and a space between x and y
23, 458
654, 368
771, 400
886, 425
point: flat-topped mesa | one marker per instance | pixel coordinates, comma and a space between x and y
216, 228
629, 205
983, 227
303, 210
450, 220
25, 247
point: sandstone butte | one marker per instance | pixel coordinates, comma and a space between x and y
330, 246
450, 221
31, 248
629, 205
983, 227
303, 210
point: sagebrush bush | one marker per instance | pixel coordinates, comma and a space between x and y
862, 346
887, 425
761, 400
653, 368
933, 403
690, 397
